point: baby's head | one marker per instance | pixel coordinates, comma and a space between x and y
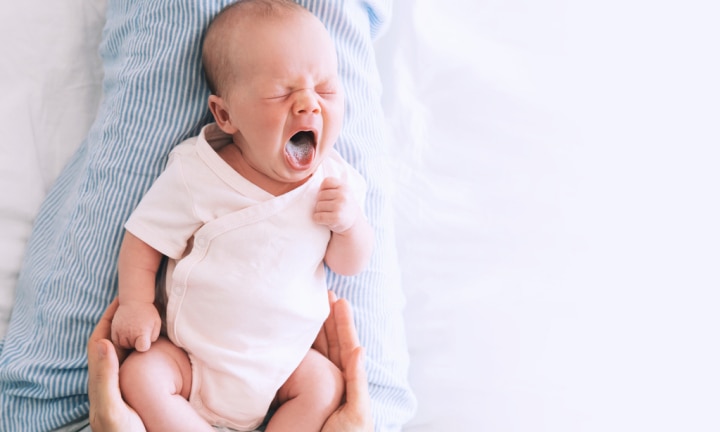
272, 70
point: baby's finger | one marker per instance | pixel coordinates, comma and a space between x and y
326, 206
329, 195
328, 219
331, 183
142, 343
125, 342
156, 330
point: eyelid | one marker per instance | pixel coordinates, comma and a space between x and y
327, 89
330, 91
324, 88
278, 95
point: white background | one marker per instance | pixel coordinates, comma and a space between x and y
558, 205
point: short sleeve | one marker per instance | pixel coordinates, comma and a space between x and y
165, 218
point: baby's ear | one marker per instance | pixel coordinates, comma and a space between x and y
221, 114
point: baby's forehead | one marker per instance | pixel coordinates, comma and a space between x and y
260, 13
237, 41
295, 31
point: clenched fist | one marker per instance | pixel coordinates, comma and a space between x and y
336, 208
136, 325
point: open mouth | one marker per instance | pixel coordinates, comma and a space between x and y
300, 149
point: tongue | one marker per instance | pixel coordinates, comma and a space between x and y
300, 151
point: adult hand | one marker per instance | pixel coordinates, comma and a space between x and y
338, 341
108, 410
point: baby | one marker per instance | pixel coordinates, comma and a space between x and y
248, 213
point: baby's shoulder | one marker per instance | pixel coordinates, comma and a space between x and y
185, 148
186, 156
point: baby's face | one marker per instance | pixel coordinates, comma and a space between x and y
286, 99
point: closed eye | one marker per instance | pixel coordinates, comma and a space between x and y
277, 97
326, 90
327, 87
278, 93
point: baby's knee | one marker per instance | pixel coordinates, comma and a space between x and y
332, 380
134, 377
321, 380
158, 371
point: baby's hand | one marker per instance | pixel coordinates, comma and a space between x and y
335, 206
136, 325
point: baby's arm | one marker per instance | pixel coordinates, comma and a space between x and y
137, 321
351, 243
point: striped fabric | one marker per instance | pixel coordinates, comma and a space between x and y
154, 97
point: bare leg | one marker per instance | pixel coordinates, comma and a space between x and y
156, 383
309, 396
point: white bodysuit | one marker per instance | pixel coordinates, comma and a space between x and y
246, 281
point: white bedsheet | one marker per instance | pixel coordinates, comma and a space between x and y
557, 198
559, 204
50, 77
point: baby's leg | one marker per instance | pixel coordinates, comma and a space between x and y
309, 396
156, 383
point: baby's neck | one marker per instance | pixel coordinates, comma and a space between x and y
232, 155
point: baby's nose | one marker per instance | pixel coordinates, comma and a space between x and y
306, 102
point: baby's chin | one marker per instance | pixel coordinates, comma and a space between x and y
293, 175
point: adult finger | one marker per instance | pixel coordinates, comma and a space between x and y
321, 341
346, 338
103, 328
357, 396
108, 411
331, 332
103, 389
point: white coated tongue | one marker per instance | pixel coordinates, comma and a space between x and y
300, 150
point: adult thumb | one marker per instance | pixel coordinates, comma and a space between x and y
103, 375
356, 385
